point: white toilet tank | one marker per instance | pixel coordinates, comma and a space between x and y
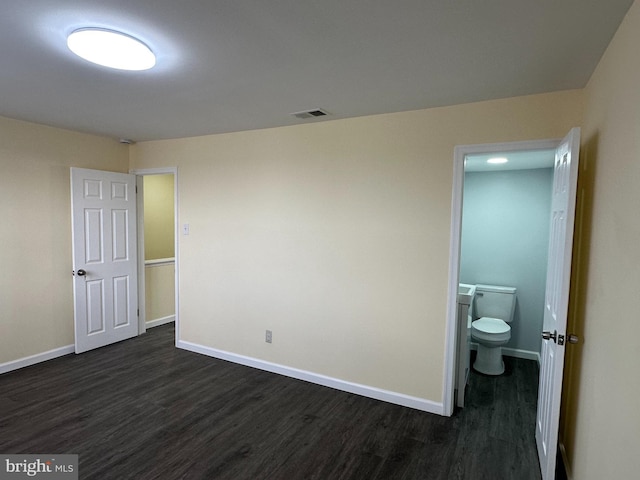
495, 301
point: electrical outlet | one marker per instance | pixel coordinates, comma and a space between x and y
268, 336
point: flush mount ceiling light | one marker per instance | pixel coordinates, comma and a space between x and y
497, 160
111, 49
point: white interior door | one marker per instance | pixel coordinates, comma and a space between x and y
556, 301
105, 285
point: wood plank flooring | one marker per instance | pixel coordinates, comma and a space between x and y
142, 409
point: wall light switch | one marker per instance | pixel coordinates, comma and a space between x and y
185, 229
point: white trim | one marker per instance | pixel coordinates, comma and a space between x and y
154, 171
459, 154
142, 285
37, 358
318, 379
156, 262
160, 321
176, 237
519, 353
450, 356
515, 353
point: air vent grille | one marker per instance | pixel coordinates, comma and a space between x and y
314, 113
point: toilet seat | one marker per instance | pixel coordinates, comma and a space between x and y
490, 329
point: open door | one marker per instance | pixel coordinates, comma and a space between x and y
105, 285
556, 301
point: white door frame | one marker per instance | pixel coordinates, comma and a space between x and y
459, 154
142, 327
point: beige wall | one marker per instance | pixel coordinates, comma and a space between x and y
159, 291
334, 235
36, 299
158, 216
601, 418
159, 243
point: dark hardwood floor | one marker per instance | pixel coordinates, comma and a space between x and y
142, 409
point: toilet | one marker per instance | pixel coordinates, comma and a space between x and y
493, 308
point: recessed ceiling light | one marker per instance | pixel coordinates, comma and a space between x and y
111, 49
497, 160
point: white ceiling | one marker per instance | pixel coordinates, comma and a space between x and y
520, 160
231, 65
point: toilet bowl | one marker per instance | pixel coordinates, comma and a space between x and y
491, 334
494, 305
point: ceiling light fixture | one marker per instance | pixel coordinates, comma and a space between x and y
111, 49
497, 160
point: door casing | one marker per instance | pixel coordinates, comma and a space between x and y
140, 173
460, 152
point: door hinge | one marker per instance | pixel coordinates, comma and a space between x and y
138, 312
136, 189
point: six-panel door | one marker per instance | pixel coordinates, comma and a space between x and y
104, 246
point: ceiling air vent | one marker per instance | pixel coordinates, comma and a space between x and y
316, 112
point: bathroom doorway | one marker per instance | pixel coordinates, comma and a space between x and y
494, 191
505, 235
557, 283
506, 204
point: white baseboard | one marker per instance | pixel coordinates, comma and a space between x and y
160, 321
37, 358
516, 352
318, 379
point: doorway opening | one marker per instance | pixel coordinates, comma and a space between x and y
472, 159
557, 284
157, 247
505, 236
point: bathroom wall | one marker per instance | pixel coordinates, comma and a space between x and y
505, 234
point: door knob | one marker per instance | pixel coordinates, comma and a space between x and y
550, 336
573, 338
81, 273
